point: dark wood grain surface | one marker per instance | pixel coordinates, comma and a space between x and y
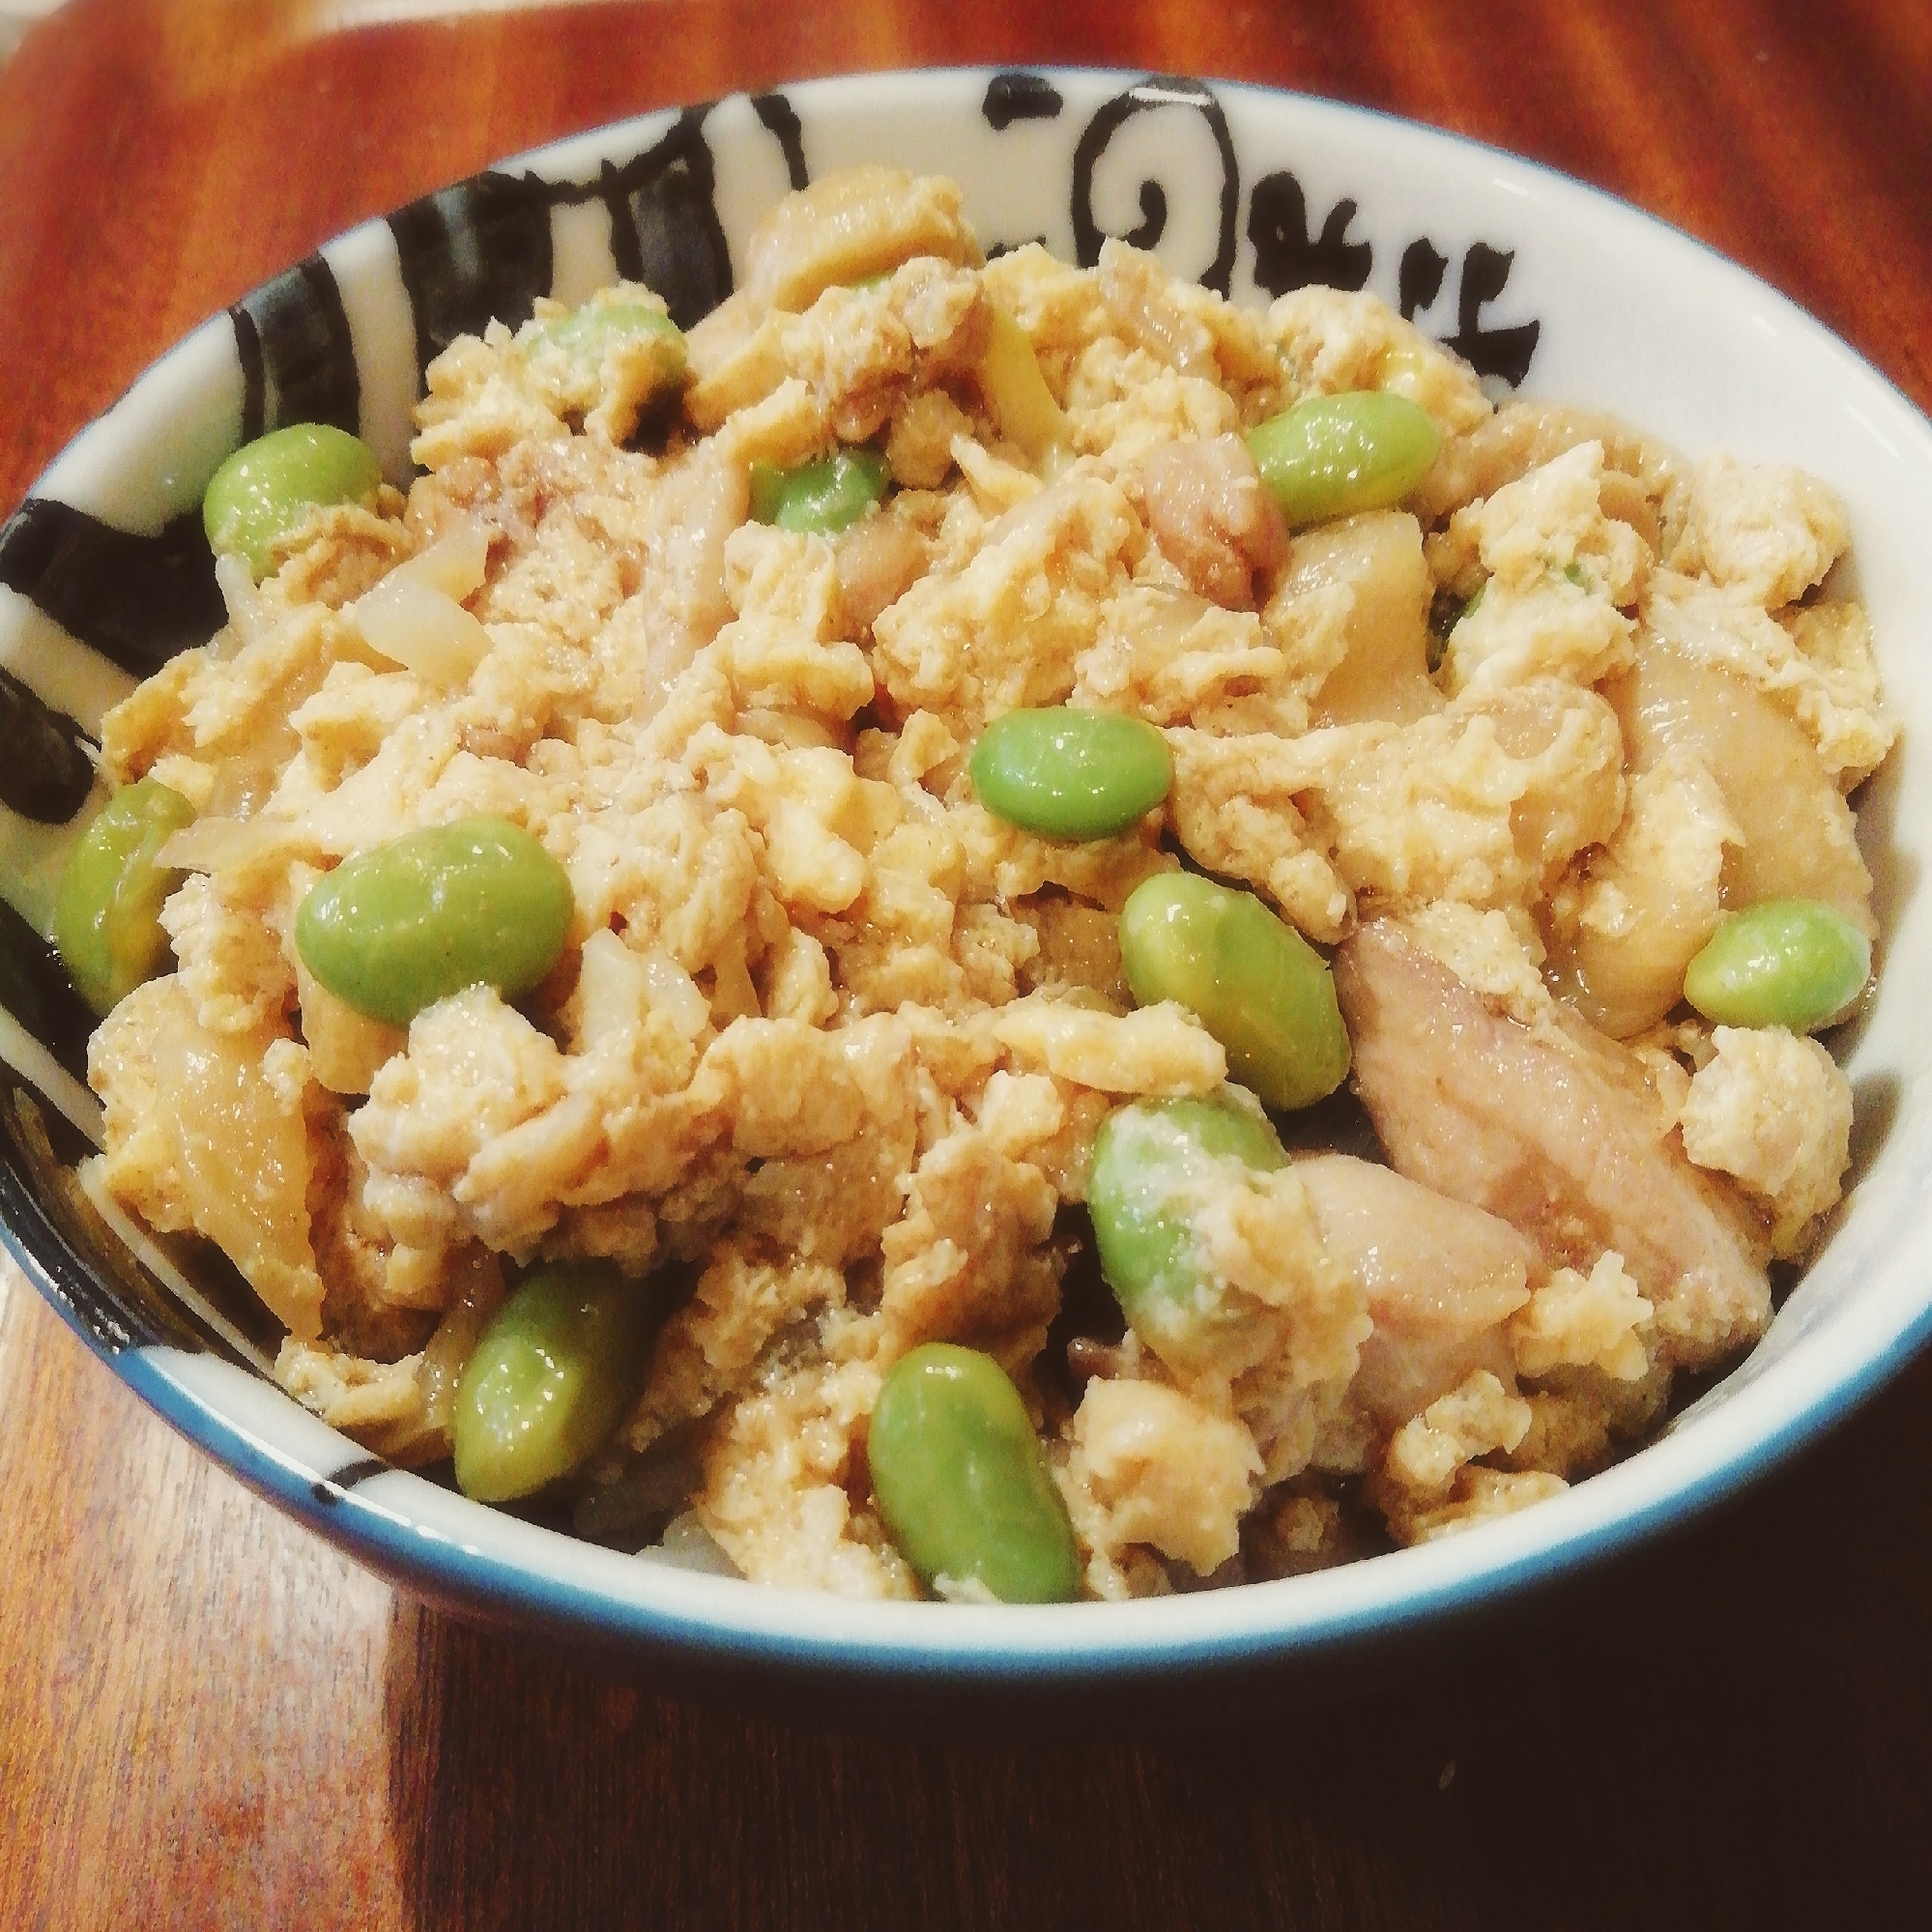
208, 1718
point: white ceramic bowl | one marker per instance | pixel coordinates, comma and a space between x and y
1539, 280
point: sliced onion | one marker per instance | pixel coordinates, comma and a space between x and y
424, 630
415, 615
455, 564
217, 845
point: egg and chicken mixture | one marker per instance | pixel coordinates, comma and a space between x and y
829, 1043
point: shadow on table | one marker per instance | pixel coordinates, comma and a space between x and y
1689, 1742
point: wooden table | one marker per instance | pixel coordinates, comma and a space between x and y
208, 1718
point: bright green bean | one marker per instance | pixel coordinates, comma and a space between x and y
962, 1482
1254, 983
267, 487
1338, 455
107, 907
1792, 963
1157, 1164
400, 927
819, 498
589, 333
1071, 774
550, 1379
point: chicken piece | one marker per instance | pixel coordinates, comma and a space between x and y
1215, 519
1557, 1131
1796, 837
1362, 578
1441, 1277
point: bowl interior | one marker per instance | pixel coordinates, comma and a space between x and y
1548, 287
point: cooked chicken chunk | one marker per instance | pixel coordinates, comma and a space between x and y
1558, 1132
1441, 1277
1214, 518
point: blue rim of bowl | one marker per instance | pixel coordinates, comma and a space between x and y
414, 1533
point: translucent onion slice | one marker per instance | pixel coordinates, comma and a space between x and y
455, 564
416, 616
221, 844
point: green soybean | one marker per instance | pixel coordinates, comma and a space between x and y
1338, 455
550, 1379
1071, 774
107, 907
589, 333
1157, 1166
962, 1482
398, 928
819, 498
1792, 963
1254, 983
267, 487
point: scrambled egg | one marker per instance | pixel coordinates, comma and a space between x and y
830, 1041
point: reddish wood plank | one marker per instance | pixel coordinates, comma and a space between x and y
209, 1719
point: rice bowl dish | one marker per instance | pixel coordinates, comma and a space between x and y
825, 728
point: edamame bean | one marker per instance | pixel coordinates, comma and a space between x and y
107, 909
1792, 963
1338, 455
265, 490
549, 1380
1157, 1164
819, 498
1254, 983
1071, 774
398, 928
589, 333
962, 1482
586, 332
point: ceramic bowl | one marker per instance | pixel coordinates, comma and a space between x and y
1545, 286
